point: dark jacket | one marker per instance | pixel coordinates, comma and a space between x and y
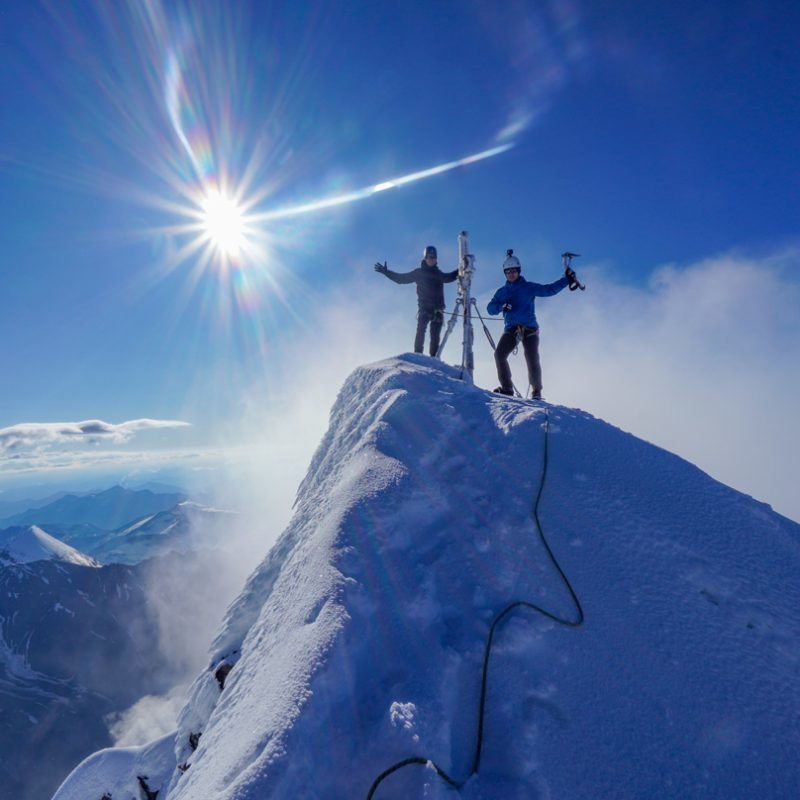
520, 295
429, 280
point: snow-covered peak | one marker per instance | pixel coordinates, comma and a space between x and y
184, 527
21, 545
431, 510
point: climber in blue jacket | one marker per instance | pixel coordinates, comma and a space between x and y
516, 301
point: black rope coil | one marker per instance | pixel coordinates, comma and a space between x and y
570, 623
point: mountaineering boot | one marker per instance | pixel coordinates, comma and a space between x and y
537, 394
501, 390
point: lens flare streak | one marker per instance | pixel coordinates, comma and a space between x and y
184, 86
368, 191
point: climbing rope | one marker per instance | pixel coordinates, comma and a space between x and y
485, 329
406, 762
447, 313
504, 614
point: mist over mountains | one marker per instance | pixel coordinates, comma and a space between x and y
91, 588
77, 644
108, 509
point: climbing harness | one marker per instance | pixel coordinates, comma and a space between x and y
575, 622
491, 340
523, 332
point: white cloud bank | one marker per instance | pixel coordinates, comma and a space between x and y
43, 448
703, 360
38, 435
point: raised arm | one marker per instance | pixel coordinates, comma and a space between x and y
549, 289
397, 277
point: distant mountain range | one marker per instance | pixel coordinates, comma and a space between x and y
10, 504
109, 509
76, 643
79, 640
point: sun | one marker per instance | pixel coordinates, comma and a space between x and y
224, 223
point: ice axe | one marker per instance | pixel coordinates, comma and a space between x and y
574, 283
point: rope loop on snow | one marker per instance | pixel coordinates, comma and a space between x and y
504, 614
406, 762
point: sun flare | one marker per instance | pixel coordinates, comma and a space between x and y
224, 223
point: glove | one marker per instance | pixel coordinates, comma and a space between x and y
381, 267
569, 274
507, 307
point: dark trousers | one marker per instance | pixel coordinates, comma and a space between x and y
530, 345
436, 319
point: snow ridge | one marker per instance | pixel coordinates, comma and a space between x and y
358, 642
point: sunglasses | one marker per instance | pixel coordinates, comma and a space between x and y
511, 269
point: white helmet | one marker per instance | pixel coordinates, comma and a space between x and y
511, 262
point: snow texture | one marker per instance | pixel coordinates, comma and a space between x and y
359, 641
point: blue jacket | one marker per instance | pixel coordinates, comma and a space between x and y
520, 296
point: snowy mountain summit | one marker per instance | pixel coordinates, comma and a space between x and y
22, 545
643, 621
183, 528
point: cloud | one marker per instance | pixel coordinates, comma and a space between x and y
700, 359
147, 719
38, 435
703, 361
112, 461
545, 46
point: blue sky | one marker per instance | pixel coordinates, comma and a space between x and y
657, 139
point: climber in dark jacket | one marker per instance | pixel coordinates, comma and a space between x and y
430, 282
516, 301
